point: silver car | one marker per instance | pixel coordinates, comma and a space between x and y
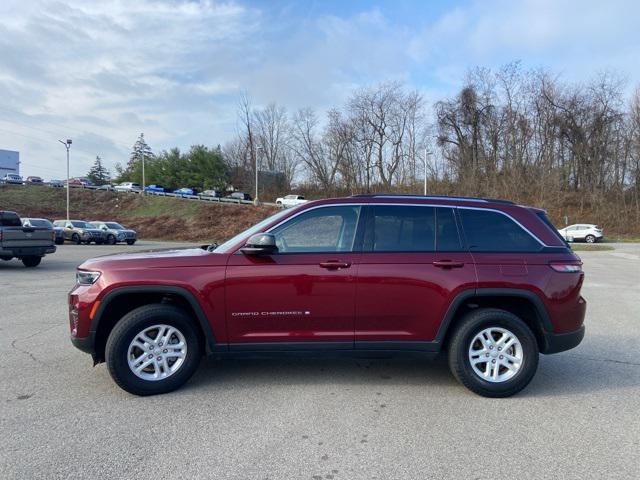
116, 233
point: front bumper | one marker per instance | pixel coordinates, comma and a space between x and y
559, 342
86, 344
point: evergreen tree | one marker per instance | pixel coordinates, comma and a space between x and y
140, 149
98, 173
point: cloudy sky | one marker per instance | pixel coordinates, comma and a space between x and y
101, 72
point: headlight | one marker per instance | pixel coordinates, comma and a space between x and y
86, 278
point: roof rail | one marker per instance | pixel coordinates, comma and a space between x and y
432, 197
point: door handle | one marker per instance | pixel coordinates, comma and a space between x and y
448, 264
335, 265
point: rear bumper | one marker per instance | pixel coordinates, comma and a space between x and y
26, 251
559, 342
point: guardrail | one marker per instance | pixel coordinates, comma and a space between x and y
198, 197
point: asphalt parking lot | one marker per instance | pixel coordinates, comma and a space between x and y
316, 419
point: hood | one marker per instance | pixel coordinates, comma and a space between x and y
165, 258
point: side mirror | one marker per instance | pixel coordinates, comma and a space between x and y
260, 244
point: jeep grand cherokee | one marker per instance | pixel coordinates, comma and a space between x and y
489, 282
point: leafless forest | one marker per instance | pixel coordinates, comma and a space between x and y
525, 135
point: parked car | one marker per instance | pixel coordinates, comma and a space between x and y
12, 178
290, 201
211, 193
80, 182
240, 196
185, 191
79, 231
489, 281
56, 183
108, 187
128, 187
28, 243
154, 188
115, 233
583, 231
35, 180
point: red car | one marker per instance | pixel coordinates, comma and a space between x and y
491, 283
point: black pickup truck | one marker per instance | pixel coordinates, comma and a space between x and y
28, 244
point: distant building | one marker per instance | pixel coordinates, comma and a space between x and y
9, 162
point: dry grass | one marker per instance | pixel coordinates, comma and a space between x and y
152, 216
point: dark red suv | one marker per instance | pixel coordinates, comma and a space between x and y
489, 282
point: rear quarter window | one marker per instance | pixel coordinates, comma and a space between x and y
492, 231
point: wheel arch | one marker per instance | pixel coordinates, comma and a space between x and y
523, 303
121, 300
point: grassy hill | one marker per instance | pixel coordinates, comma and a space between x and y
152, 216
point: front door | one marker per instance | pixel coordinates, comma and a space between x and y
305, 292
412, 266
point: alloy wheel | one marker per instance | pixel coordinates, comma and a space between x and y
495, 354
157, 352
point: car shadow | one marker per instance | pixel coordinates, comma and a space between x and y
568, 373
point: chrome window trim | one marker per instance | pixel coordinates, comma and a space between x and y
414, 205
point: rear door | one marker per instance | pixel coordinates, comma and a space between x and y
412, 266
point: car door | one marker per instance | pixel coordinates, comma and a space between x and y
303, 296
412, 265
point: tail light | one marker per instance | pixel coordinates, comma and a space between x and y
565, 267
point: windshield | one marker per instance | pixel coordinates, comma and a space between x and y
79, 224
225, 247
114, 226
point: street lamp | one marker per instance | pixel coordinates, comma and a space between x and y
67, 145
255, 199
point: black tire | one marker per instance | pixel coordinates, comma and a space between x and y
111, 239
130, 242
133, 323
460, 342
31, 261
59, 241
75, 238
590, 239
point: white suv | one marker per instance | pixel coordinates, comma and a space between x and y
583, 231
290, 201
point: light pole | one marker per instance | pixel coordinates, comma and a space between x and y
143, 173
255, 199
67, 145
426, 153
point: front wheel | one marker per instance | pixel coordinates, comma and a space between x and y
32, 261
75, 238
130, 242
590, 239
111, 240
493, 353
153, 349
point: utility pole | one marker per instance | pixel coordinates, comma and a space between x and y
67, 145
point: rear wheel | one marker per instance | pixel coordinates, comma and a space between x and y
153, 349
75, 238
493, 353
31, 261
590, 239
